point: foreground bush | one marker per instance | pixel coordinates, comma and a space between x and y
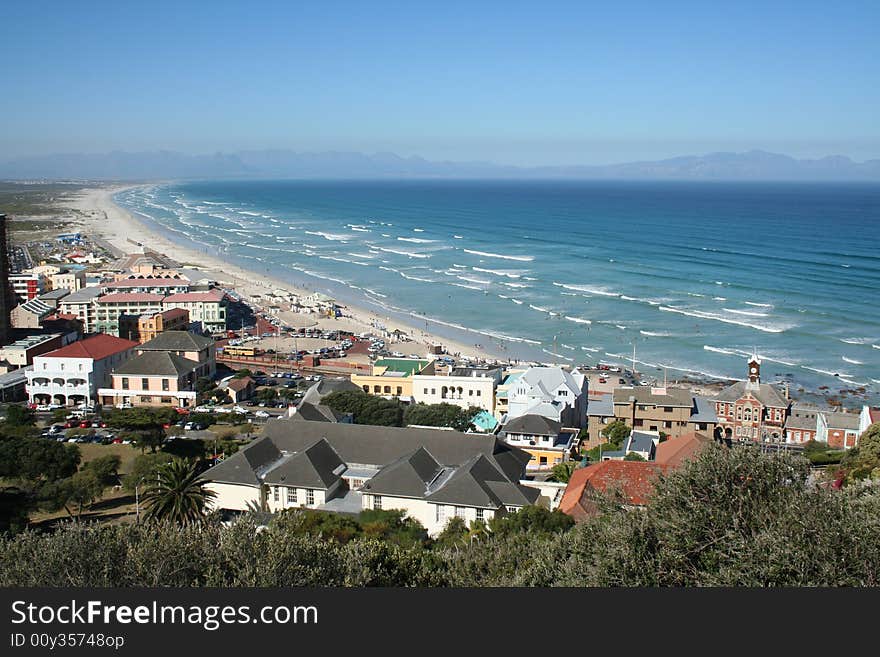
730, 518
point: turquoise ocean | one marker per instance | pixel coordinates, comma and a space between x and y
694, 275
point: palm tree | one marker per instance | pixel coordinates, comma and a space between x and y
178, 494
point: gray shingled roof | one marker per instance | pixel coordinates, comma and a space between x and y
324, 387
764, 393
177, 341
317, 413
157, 363
318, 466
409, 476
533, 425
800, 422
470, 469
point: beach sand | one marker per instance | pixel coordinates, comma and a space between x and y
102, 218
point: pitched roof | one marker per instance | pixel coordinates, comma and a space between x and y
247, 465
675, 451
533, 425
131, 297
764, 393
317, 413
317, 466
177, 341
550, 378
157, 363
237, 385
634, 479
84, 295
210, 296
405, 457
839, 420
324, 387
96, 347
409, 476
800, 422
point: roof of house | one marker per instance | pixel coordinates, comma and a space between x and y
763, 392
317, 413
84, 295
634, 480
140, 281
550, 378
651, 395
406, 457
406, 366
177, 341
641, 441
157, 363
704, 411
324, 387
55, 295
237, 385
96, 347
600, 406
207, 296
800, 422
839, 420
317, 466
35, 307
533, 425
131, 297
675, 451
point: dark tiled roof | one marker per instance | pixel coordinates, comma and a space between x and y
533, 425
177, 341
317, 413
157, 363
408, 476
319, 466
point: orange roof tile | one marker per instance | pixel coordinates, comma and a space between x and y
96, 347
634, 479
675, 451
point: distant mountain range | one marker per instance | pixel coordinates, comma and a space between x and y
162, 165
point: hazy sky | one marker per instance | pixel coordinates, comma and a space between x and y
515, 82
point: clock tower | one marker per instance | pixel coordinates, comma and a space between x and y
755, 370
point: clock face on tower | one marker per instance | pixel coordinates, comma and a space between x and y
754, 370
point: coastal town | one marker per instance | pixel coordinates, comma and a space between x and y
93, 325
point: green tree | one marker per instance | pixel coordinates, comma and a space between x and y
616, 432
440, 415
143, 468
633, 456
531, 519
20, 416
178, 494
561, 472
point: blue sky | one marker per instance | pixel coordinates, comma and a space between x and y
523, 83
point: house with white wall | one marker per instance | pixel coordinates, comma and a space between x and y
460, 386
72, 374
431, 475
552, 392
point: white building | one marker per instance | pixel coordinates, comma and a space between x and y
551, 392
72, 374
461, 386
431, 475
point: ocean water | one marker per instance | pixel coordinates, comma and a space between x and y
694, 275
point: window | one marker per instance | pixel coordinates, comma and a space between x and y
125, 383
480, 514
460, 512
426, 391
145, 384
478, 393
387, 390
399, 390
377, 502
287, 496
276, 493
166, 385
441, 513
293, 496
433, 391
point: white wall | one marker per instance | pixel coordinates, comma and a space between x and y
426, 512
470, 386
233, 496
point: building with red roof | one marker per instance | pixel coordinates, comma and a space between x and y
72, 374
633, 480
675, 451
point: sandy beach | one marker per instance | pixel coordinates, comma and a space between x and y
102, 218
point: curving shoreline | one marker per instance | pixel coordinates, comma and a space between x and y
102, 217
